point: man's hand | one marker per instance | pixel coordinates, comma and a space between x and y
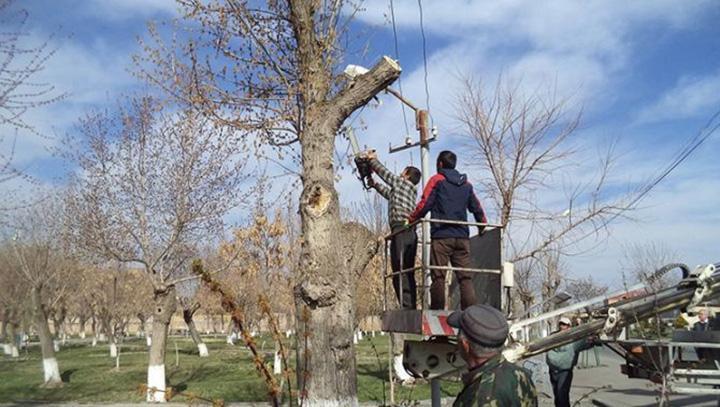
368, 154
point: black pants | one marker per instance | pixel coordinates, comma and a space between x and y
403, 248
561, 381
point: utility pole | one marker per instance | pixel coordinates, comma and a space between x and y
421, 125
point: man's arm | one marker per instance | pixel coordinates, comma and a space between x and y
428, 198
382, 189
475, 208
385, 174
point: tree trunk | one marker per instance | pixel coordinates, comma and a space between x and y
165, 306
82, 321
12, 332
188, 317
141, 331
324, 291
108, 329
4, 325
50, 365
326, 321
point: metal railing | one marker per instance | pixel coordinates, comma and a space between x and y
424, 243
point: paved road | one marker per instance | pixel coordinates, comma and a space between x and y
621, 391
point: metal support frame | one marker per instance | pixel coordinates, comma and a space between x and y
425, 137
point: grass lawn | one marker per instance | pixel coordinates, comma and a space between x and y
89, 374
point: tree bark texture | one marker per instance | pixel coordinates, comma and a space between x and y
12, 327
50, 366
165, 305
324, 292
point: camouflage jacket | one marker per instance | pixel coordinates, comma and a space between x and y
497, 383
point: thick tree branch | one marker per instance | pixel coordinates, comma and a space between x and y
364, 87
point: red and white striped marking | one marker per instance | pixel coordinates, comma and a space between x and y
434, 323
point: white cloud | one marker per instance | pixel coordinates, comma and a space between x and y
692, 96
126, 9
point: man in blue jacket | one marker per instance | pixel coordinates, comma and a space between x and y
448, 196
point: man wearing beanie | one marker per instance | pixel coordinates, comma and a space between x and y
491, 380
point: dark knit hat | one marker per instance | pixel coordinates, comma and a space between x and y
482, 324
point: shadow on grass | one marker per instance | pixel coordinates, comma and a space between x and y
65, 376
369, 371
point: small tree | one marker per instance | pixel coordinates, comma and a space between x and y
12, 305
39, 257
151, 186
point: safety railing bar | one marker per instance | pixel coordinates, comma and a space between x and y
445, 221
403, 271
470, 270
461, 222
407, 227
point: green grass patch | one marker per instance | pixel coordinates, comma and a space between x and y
90, 376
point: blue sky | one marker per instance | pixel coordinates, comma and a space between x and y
646, 73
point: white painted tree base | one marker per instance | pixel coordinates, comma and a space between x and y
399, 370
94, 342
82, 335
156, 380
277, 363
51, 370
148, 340
56, 345
6, 348
102, 338
231, 339
202, 348
348, 402
14, 351
113, 350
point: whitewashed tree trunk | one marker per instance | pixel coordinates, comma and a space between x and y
113, 350
277, 362
164, 308
56, 345
50, 366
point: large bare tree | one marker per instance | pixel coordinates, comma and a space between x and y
272, 67
521, 141
151, 186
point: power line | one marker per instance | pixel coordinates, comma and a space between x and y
397, 57
425, 62
712, 125
692, 145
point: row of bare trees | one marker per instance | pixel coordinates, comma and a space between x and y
241, 82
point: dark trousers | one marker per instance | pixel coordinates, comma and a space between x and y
561, 381
403, 248
457, 252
